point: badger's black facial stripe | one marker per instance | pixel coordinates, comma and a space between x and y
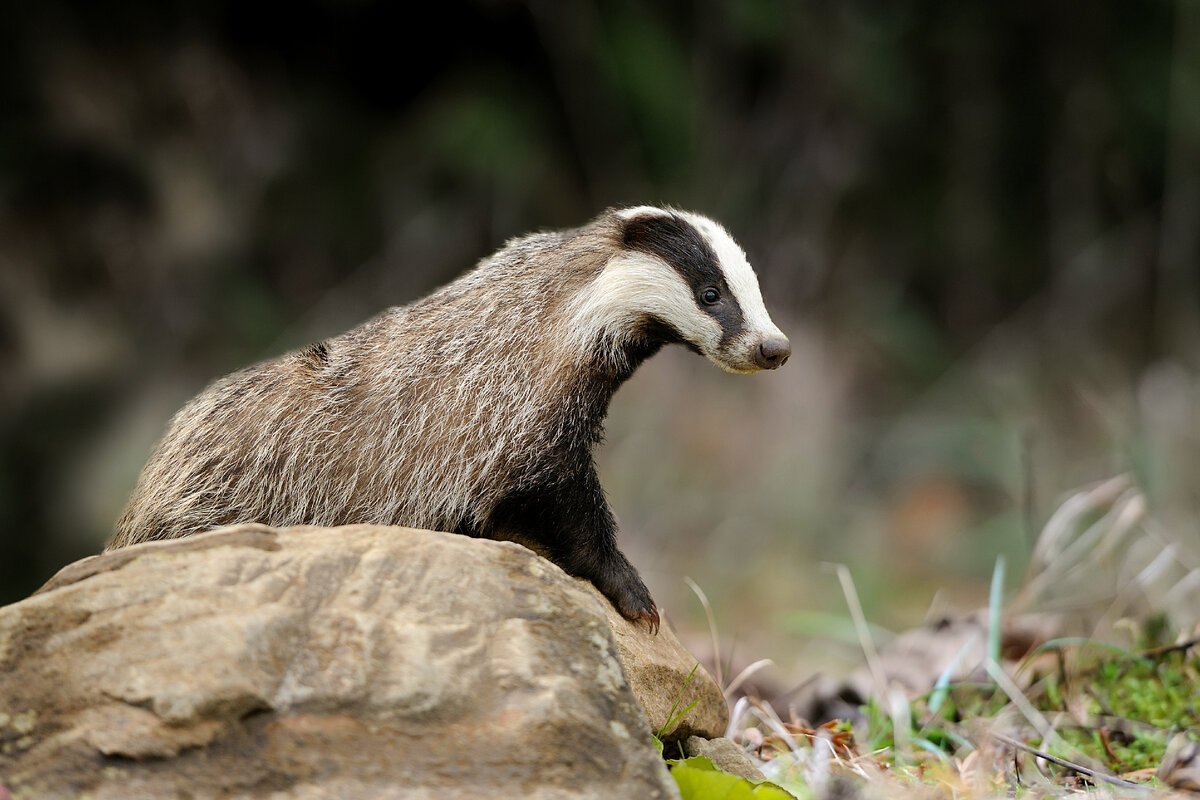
673, 240
676, 242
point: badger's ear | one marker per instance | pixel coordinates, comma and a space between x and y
632, 224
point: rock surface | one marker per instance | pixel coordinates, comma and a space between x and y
725, 755
360, 662
658, 669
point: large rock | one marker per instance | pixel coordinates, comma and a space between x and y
360, 662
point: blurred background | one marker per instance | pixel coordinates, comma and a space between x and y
978, 222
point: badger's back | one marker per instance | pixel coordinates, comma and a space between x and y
426, 416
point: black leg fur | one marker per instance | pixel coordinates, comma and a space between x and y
570, 523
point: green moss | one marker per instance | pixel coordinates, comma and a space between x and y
1123, 709
1133, 706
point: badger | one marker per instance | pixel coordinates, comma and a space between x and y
474, 410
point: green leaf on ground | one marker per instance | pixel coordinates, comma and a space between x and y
699, 779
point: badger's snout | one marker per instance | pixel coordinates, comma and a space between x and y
772, 353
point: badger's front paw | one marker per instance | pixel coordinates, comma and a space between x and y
625, 590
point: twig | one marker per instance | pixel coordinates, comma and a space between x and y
1064, 676
1166, 650
1062, 762
1112, 757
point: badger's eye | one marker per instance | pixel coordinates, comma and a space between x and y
709, 296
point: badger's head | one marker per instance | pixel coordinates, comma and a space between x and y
678, 276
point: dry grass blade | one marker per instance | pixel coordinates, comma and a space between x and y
712, 631
1018, 699
745, 675
874, 664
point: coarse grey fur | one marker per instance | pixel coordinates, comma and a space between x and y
472, 410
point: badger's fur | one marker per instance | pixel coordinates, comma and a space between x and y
474, 410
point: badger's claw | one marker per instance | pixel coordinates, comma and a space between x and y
651, 618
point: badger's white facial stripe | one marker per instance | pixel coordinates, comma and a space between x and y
636, 285
738, 274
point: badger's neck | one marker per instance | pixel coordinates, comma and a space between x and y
603, 369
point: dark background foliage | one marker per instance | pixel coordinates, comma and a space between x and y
978, 221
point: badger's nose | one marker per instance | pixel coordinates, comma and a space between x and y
773, 353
